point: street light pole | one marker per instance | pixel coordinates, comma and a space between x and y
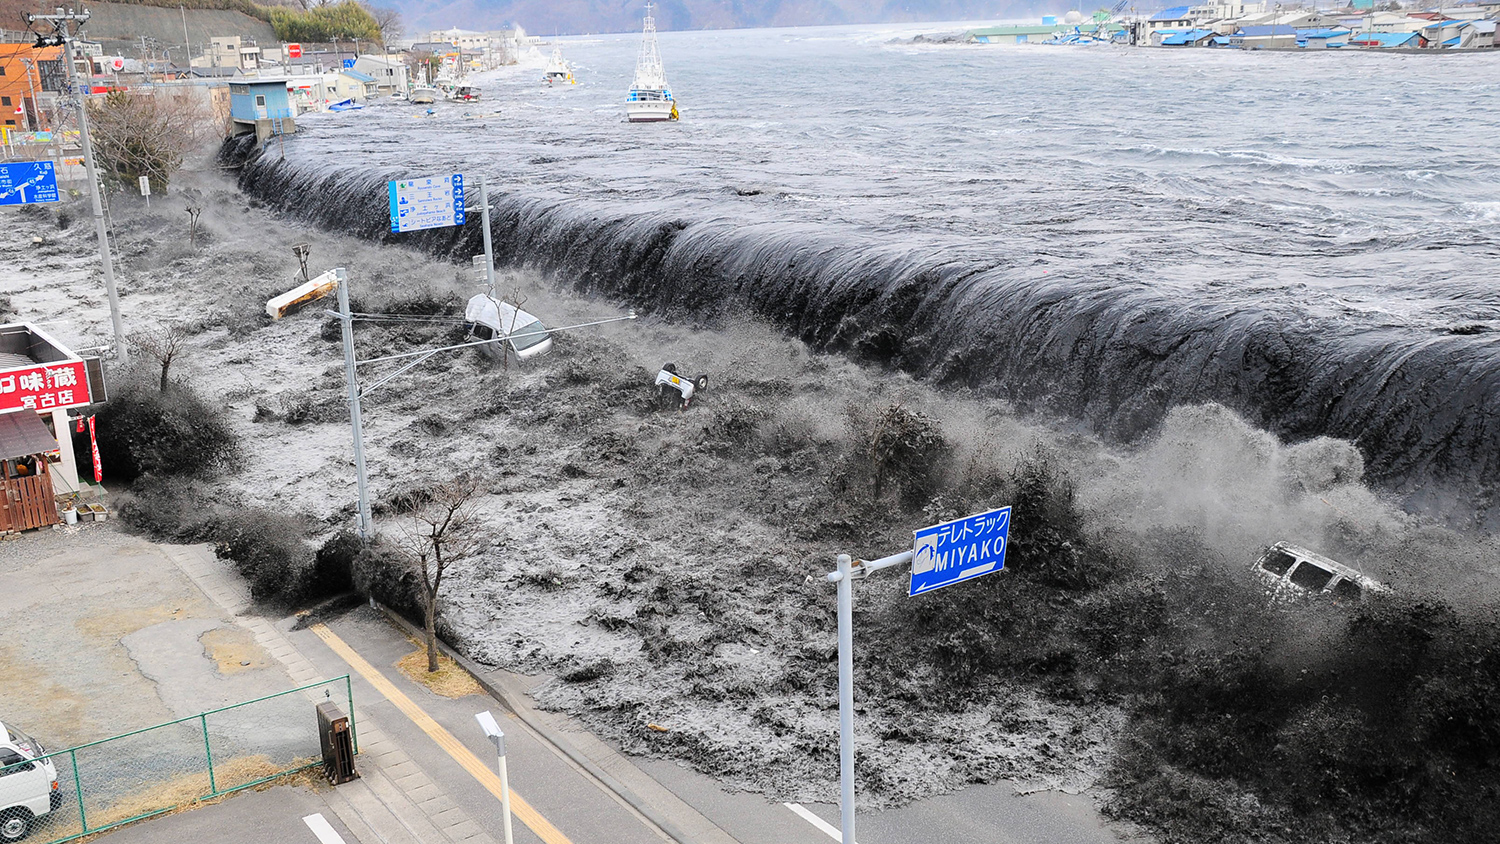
60, 23
497, 737
846, 699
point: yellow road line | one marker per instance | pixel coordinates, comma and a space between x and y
479, 770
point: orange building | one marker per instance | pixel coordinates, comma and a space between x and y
22, 76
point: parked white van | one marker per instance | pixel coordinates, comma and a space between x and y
28, 784
513, 330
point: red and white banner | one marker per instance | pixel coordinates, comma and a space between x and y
51, 386
94, 445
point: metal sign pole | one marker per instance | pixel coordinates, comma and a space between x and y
363, 520
846, 698
489, 250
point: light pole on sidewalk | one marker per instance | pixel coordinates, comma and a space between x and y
496, 735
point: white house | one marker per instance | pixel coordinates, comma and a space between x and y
389, 73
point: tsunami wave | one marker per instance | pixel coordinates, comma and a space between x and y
1417, 402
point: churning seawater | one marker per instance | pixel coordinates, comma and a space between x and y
1310, 239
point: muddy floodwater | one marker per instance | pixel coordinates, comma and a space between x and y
1171, 306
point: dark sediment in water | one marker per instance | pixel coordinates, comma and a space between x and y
1114, 351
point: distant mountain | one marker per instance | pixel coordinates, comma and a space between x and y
574, 17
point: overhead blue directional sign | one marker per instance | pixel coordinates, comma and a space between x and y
24, 182
430, 202
960, 550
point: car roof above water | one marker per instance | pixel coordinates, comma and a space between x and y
1289, 568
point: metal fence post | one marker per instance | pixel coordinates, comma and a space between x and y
353, 734
213, 787
83, 819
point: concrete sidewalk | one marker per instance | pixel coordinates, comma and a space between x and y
394, 801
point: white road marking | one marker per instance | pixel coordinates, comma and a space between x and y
822, 826
323, 829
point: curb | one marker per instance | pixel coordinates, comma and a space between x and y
547, 734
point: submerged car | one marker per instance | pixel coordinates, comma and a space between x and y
28, 784
1288, 569
514, 331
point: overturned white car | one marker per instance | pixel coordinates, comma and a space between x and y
674, 387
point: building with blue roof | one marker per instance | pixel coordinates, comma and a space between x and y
1388, 40
1270, 37
1176, 17
1190, 38
1322, 39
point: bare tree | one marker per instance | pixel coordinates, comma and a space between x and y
194, 208
389, 21
446, 529
162, 345
148, 132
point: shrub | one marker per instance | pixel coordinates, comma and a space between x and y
143, 430
174, 511
897, 449
269, 551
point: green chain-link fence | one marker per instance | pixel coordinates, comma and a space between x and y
56, 796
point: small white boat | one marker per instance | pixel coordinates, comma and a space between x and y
650, 98
558, 72
423, 96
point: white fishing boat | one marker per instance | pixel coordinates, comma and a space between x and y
650, 99
558, 72
423, 96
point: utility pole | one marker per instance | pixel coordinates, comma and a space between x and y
187, 46
362, 521
63, 36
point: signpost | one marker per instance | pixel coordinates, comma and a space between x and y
25, 182
294, 51
960, 550
145, 185
941, 555
430, 202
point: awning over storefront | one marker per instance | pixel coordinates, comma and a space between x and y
23, 433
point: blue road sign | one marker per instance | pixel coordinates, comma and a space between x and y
430, 202
25, 182
960, 550
348, 64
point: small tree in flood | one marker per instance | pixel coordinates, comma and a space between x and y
162, 345
446, 529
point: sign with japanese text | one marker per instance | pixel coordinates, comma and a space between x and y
294, 51
430, 202
51, 386
24, 182
952, 552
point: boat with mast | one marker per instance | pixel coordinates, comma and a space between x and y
558, 72
650, 99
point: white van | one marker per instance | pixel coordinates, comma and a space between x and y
28, 784
1287, 569
513, 330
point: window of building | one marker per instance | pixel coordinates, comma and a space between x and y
2, 70
4, 100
